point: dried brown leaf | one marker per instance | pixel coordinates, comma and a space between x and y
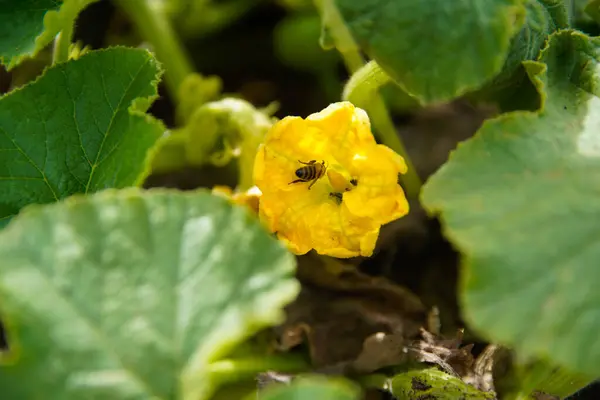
342, 313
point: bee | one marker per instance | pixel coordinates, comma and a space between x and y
311, 172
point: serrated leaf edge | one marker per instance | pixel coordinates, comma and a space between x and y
49, 31
147, 164
536, 71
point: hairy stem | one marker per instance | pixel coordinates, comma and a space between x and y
154, 26
376, 107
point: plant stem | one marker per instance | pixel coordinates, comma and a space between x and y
154, 26
194, 380
234, 370
340, 34
365, 83
377, 109
62, 42
570, 7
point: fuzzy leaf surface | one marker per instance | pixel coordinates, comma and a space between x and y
435, 49
131, 294
520, 200
511, 89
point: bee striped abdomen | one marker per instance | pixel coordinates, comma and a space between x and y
307, 173
311, 172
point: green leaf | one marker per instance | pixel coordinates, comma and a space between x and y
21, 22
584, 16
541, 20
557, 10
520, 200
127, 294
432, 383
78, 129
312, 388
435, 49
511, 89
520, 378
27, 26
592, 10
541, 376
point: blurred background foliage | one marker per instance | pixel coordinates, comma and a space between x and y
267, 53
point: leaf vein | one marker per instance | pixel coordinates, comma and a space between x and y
110, 125
79, 135
20, 150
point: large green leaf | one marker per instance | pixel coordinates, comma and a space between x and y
541, 376
313, 388
26, 26
511, 89
132, 295
435, 49
542, 19
521, 200
78, 129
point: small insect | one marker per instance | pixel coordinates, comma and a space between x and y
311, 172
337, 196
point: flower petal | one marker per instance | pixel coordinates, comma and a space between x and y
340, 213
294, 139
348, 129
339, 232
377, 194
374, 203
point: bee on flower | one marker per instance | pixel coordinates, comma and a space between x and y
326, 184
311, 172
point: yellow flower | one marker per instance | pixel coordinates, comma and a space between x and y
343, 211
